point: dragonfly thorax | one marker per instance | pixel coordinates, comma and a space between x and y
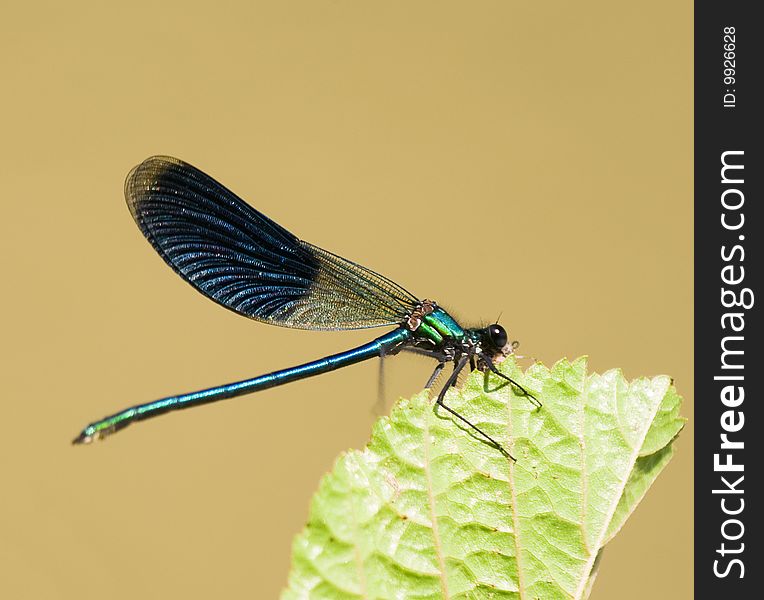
431, 324
436, 330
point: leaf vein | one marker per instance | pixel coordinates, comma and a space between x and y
427, 443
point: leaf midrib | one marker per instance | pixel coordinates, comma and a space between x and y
431, 502
513, 496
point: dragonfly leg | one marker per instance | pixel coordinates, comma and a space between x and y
439, 356
460, 364
379, 405
491, 367
435, 374
454, 380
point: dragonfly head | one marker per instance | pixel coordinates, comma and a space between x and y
495, 342
496, 336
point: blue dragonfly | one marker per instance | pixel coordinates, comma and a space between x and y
247, 263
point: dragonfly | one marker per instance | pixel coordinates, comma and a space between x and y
244, 261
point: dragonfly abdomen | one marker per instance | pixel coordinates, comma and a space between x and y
389, 343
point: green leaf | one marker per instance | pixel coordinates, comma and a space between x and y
429, 510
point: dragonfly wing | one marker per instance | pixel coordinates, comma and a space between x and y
246, 262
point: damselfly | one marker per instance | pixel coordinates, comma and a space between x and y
242, 260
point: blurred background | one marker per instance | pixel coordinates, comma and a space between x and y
547, 146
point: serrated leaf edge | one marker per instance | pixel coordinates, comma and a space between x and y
581, 591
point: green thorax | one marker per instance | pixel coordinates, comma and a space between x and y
438, 326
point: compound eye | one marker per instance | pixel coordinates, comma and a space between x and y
498, 336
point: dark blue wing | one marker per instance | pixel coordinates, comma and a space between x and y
241, 259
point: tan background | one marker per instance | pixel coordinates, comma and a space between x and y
542, 150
